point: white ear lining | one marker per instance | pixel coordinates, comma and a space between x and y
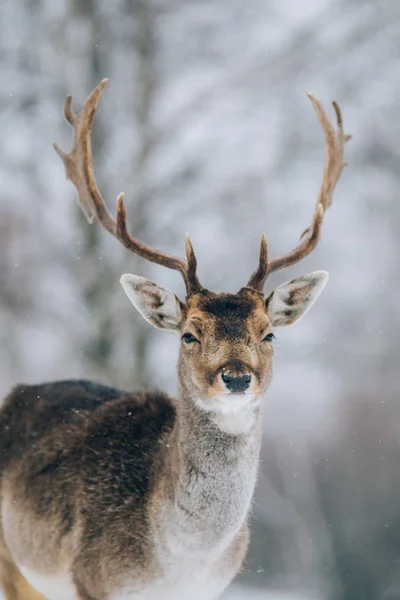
157, 305
291, 300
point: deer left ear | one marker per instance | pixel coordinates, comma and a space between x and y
160, 307
291, 300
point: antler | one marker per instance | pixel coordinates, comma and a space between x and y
79, 169
334, 165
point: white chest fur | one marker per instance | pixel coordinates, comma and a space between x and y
199, 587
196, 585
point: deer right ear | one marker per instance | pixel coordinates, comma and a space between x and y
160, 307
291, 300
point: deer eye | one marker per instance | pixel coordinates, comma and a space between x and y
189, 338
269, 337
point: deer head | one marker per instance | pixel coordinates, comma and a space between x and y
226, 339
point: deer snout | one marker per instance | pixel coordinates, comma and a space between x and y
236, 383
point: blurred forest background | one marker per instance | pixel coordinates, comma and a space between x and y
206, 127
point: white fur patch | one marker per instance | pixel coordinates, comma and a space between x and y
230, 404
198, 587
56, 587
232, 413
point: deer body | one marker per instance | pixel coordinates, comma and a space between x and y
186, 538
111, 495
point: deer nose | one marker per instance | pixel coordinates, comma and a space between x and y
236, 383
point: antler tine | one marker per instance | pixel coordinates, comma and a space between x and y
161, 258
78, 163
79, 169
194, 282
259, 276
334, 165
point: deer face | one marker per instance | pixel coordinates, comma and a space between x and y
226, 344
226, 339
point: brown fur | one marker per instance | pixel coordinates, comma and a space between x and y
68, 461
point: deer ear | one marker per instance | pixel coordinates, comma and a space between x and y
291, 300
160, 307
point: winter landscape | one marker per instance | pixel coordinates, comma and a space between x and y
206, 126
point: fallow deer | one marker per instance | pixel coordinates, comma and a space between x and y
113, 495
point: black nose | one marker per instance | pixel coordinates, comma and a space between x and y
236, 383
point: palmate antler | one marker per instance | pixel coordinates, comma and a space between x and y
79, 169
334, 165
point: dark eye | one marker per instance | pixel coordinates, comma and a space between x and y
189, 338
269, 337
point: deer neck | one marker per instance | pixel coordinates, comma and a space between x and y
214, 475
214, 449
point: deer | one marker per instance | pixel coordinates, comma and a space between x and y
108, 494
